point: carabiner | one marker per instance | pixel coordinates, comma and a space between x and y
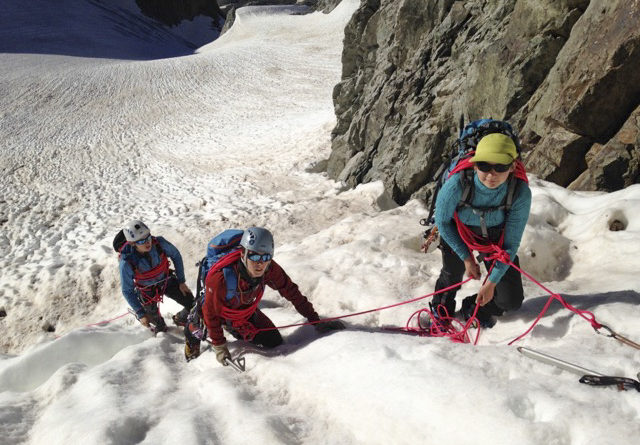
604, 326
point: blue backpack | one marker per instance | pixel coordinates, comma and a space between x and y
463, 149
220, 246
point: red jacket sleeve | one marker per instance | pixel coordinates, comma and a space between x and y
277, 279
215, 291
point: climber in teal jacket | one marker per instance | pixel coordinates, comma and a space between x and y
491, 183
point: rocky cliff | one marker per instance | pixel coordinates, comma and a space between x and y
172, 12
564, 72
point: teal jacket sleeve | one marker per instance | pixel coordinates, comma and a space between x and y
446, 205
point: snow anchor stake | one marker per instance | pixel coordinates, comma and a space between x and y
588, 377
554, 361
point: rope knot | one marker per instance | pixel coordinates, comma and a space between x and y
244, 328
499, 255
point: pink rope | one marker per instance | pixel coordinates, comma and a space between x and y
442, 325
499, 254
589, 316
107, 321
367, 311
101, 322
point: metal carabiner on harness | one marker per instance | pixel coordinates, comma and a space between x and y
483, 223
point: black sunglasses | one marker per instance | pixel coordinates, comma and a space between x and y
259, 257
485, 167
140, 242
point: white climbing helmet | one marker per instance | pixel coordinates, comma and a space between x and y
136, 230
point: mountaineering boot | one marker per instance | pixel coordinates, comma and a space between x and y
442, 307
180, 319
191, 350
485, 319
441, 315
442, 311
159, 325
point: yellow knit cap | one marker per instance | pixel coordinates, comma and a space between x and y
495, 148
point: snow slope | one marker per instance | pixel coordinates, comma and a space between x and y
232, 135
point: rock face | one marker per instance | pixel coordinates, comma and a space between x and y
563, 72
172, 12
326, 5
320, 5
229, 8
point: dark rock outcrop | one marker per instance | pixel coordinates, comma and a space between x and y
172, 12
229, 7
326, 5
320, 5
616, 164
563, 71
587, 98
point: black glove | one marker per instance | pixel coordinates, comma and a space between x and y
331, 325
222, 354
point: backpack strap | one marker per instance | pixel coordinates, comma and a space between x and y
466, 199
200, 281
230, 276
231, 279
511, 190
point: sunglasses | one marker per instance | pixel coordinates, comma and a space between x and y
485, 167
259, 257
140, 242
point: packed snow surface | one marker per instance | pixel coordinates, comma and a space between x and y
103, 120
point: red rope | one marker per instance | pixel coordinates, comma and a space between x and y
498, 254
367, 311
101, 322
589, 316
153, 293
107, 321
441, 325
239, 317
160, 269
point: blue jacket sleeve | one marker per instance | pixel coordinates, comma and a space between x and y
128, 288
513, 229
173, 253
446, 205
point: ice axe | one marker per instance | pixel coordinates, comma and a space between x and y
236, 363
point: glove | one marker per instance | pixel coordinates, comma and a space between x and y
331, 325
222, 354
144, 321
